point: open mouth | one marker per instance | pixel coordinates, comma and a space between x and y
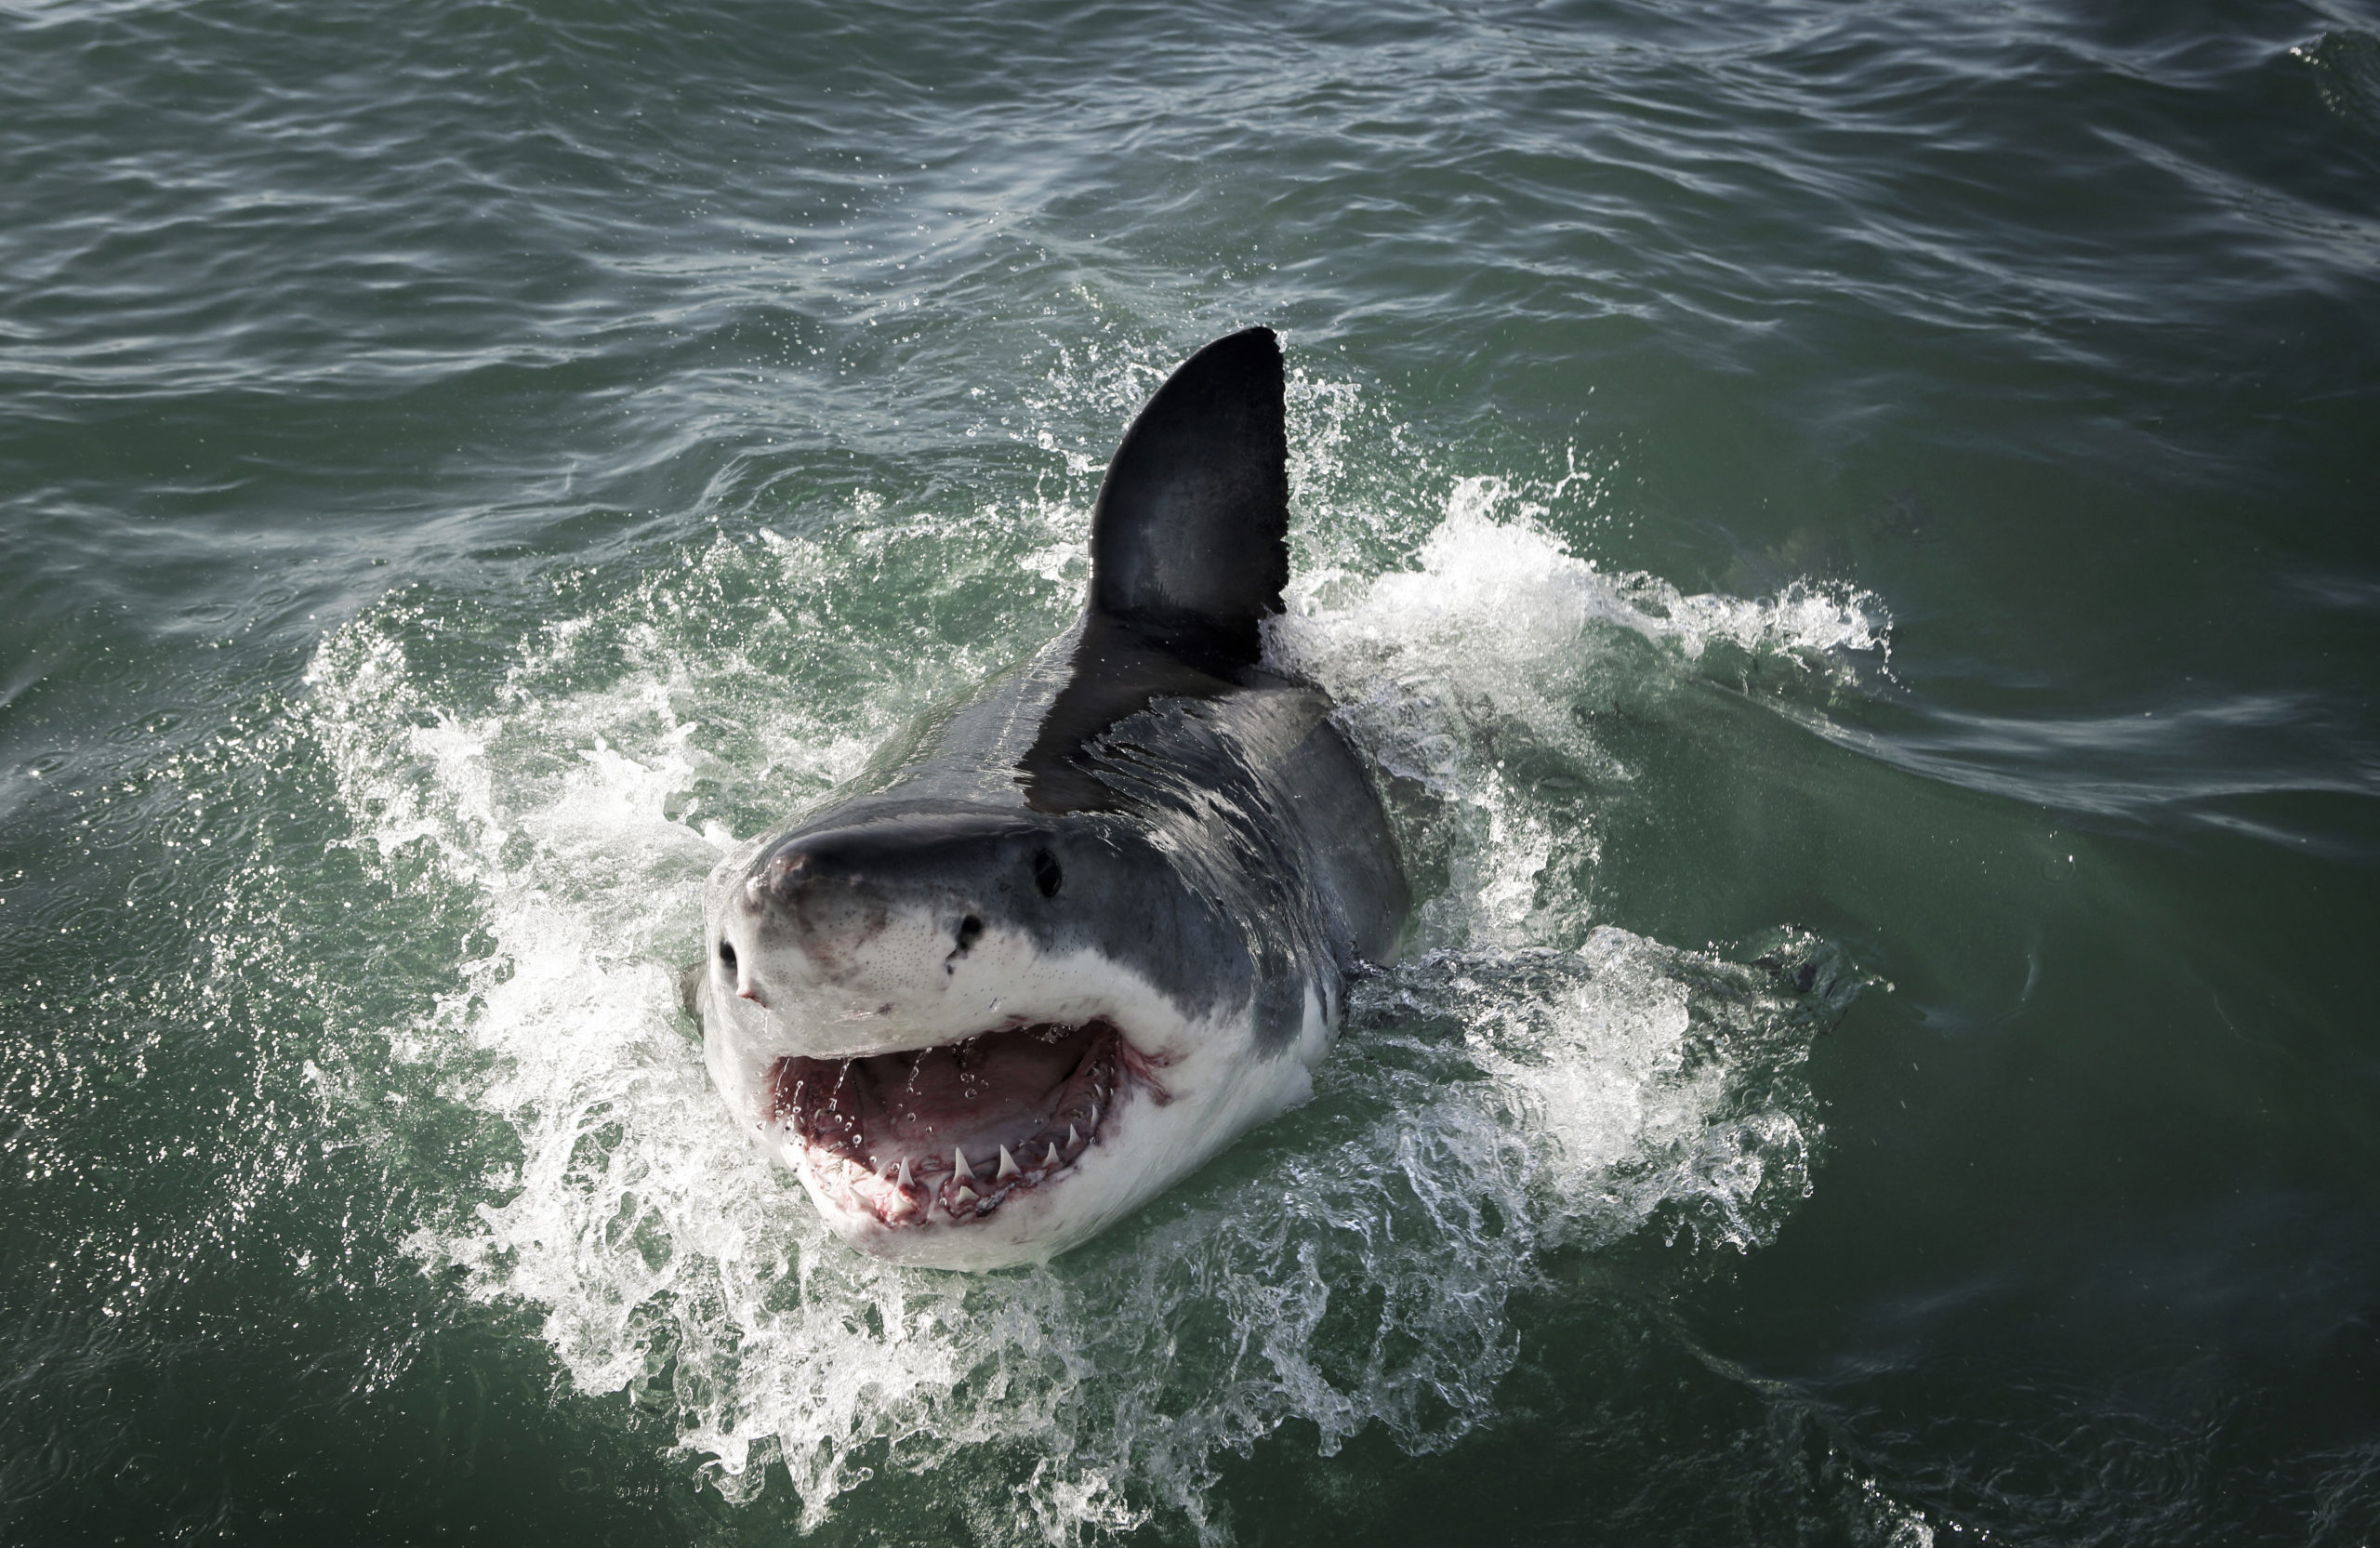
955, 1131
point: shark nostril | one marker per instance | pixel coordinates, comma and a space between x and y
785, 872
1047, 877
971, 929
727, 957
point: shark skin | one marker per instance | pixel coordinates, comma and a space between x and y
1100, 922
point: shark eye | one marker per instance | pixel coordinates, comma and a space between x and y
971, 929
1046, 874
727, 956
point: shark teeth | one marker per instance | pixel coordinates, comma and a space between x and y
901, 1171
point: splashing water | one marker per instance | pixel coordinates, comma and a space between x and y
1349, 1267
1462, 676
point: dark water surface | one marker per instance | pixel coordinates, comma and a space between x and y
1853, 532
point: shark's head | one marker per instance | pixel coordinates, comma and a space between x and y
979, 1036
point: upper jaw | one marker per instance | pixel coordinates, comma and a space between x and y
828, 1023
914, 986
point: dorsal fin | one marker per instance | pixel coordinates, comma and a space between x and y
1189, 540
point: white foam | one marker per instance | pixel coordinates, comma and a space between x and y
1349, 1267
1479, 656
1495, 595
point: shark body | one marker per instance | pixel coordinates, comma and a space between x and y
1101, 923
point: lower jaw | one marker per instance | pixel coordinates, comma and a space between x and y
864, 1201
1019, 1235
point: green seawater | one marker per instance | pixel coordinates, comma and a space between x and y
1850, 532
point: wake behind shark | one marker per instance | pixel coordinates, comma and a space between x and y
1100, 924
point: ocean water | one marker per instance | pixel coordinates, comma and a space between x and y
1851, 534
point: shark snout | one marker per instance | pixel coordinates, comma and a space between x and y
827, 907
842, 879
892, 912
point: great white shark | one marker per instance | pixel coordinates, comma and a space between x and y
1099, 921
